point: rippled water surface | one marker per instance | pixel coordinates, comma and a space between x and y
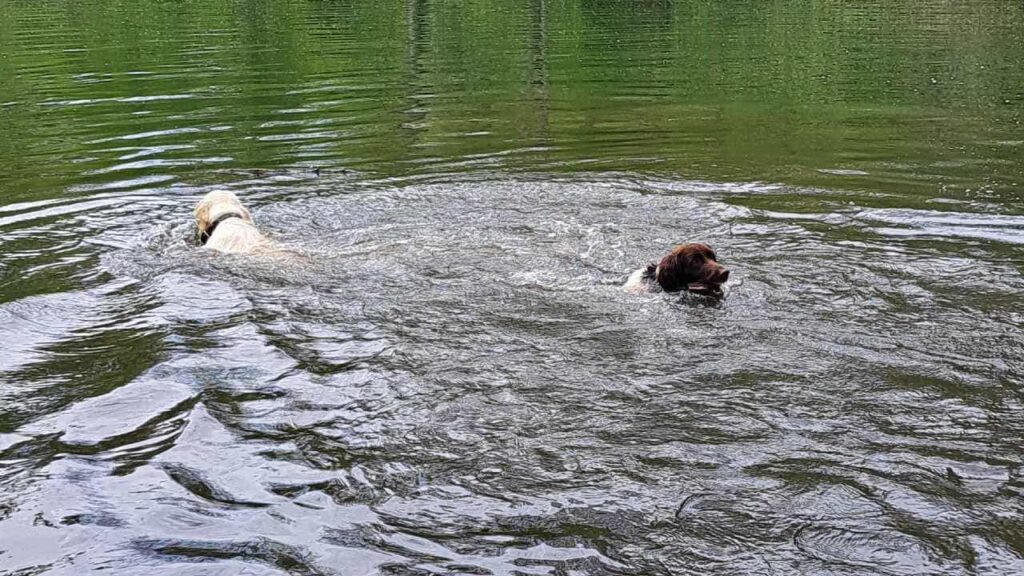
441, 374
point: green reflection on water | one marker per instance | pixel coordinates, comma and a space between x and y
907, 99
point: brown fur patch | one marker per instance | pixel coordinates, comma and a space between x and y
693, 263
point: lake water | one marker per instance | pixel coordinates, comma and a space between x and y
446, 377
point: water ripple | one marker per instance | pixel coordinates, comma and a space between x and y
441, 374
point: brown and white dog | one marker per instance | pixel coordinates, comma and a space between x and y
692, 267
226, 226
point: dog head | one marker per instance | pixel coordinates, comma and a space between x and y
217, 204
692, 267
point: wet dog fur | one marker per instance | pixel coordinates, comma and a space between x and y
691, 267
225, 225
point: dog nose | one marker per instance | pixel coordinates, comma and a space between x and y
723, 276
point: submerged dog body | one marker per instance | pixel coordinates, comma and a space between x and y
692, 267
225, 224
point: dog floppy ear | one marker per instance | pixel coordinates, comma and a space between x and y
679, 268
202, 214
202, 220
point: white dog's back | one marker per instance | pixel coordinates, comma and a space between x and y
235, 235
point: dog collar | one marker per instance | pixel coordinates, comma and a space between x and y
204, 235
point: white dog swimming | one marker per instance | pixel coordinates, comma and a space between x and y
226, 226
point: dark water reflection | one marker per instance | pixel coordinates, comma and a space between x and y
446, 378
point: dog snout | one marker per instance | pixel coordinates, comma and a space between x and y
718, 274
